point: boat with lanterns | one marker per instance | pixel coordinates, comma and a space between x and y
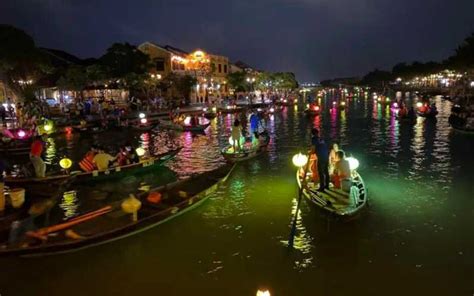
346, 201
113, 221
145, 163
230, 109
249, 150
312, 109
184, 126
209, 112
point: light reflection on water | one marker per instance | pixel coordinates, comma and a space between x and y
420, 187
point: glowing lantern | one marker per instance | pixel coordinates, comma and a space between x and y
395, 105
131, 206
140, 151
204, 109
307, 105
21, 134
141, 115
259, 109
272, 110
214, 109
285, 101
229, 107
242, 141
379, 99
353, 163
300, 160
143, 121
419, 104
48, 127
263, 293
68, 130
343, 103
65, 163
187, 120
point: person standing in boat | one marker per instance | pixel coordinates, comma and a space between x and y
236, 133
323, 159
36, 151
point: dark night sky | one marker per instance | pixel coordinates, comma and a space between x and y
316, 39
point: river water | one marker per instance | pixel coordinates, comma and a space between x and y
416, 236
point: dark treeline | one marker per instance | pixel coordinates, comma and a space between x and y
462, 60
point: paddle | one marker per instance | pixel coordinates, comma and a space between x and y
291, 240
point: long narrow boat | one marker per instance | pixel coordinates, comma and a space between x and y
181, 127
245, 154
111, 223
462, 129
111, 172
336, 201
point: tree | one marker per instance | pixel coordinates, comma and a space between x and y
464, 57
22, 64
122, 59
377, 78
284, 80
237, 81
75, 79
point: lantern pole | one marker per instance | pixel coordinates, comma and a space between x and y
291, 240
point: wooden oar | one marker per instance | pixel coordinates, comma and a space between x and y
41, 233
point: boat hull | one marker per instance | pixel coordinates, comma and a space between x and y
335, 201
149, 216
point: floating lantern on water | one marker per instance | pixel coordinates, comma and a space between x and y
343, 104
214, 109
143, 121
419, 104
68, 130
141, 115
204, 109
65, 163
21, 134
300, 160
353, 163
140, 151
272, 110
263, 293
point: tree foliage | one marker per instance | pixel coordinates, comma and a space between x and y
22, 64
122, 59
237, 81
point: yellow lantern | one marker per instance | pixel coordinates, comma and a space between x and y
353, 163
131, 206
65, 163
300, 160
140, 151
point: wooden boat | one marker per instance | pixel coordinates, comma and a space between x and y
336, 201
110, 223
313, 110
427, 114
245, 154
181, 127
230, 109
110, 173
462, 129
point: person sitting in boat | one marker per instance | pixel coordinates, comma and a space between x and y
403, 112
87, 163
313, 166
102, 160
236, 133
342, 172
132, 154
36, 151
122, 157
433, 109
333, 157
